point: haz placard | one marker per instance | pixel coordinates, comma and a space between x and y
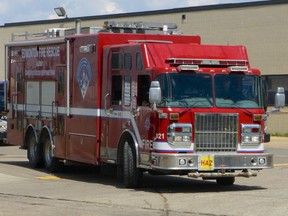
206, 162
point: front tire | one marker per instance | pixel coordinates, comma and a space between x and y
132, 175
225, 181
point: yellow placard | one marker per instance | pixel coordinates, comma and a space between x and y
206, 162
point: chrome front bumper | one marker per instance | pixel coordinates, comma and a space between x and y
209, 162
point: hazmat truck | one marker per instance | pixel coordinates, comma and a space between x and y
140, 96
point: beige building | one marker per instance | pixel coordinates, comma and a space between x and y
261, 26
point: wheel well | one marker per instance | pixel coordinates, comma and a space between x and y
45, 133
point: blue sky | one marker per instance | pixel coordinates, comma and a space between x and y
30, 10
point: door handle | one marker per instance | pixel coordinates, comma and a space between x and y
107, 111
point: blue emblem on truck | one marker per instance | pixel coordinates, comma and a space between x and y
84, 75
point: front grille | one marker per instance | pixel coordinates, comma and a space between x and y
216, 132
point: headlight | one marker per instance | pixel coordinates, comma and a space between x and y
179, 133
251, 139
251, 134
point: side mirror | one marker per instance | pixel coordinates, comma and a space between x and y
266, 137
280, 98
155, 93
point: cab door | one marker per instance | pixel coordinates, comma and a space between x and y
125, 101
112, 102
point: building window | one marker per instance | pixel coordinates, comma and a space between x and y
272, 82
183, 18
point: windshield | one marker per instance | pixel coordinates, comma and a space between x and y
195, 90
186, 90
237, 90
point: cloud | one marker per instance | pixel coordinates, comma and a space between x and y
3, 7
29, 10
164, 4
112, 7
91, 7
201, 2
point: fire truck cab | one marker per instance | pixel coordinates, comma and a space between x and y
141, 97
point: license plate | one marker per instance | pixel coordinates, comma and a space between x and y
206, 162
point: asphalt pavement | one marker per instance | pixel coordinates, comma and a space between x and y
276, 141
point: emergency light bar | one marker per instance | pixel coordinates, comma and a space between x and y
188, 67
238, 69
212, 62
139, 25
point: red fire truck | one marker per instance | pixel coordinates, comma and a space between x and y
142, 99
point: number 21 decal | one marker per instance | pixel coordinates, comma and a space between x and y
159, 136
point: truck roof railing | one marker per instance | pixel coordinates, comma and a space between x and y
26, 35
109, 26
141, 27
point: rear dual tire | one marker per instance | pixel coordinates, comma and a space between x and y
40, 154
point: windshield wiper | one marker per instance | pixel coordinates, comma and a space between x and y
184, 111
186, 105
244, 109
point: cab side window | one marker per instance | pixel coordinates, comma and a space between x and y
139, 62
117, 61
116, 96
127, 61
143, 90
